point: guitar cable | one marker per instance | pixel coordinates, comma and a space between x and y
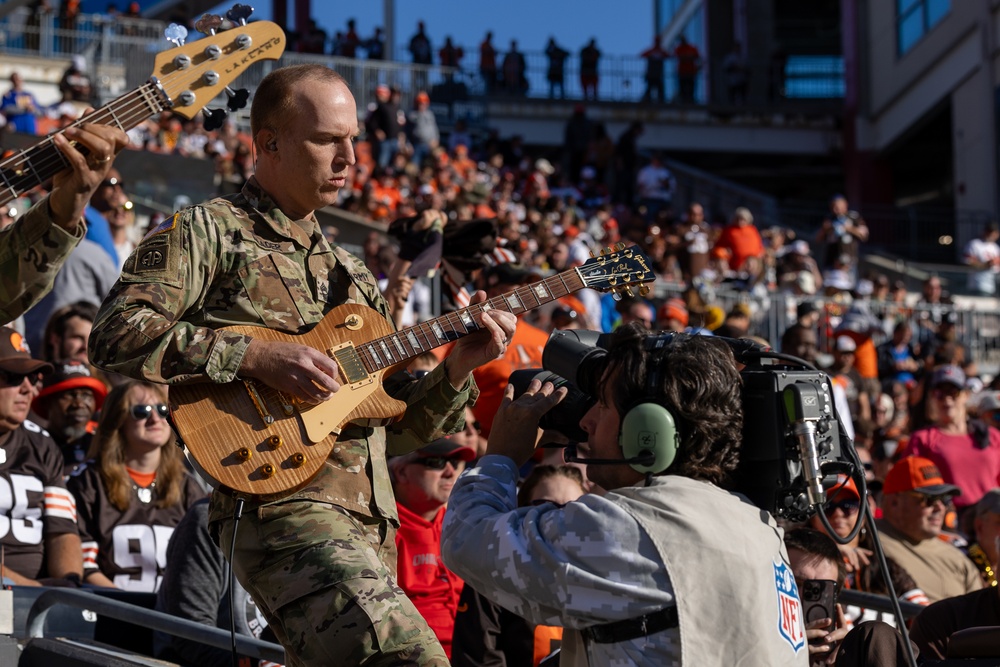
237, 514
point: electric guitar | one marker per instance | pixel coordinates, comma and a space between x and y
254, 440
184, 80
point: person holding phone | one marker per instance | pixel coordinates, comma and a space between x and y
819, 572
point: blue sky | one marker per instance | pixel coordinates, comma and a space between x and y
622, 27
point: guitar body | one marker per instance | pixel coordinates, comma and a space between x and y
222, 423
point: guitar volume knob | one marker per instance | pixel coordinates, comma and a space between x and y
244, 454
297, 460
266, 470
275, 441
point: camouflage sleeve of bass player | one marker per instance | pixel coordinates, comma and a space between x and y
155, 323
32, 251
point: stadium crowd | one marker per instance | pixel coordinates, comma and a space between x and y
923, 417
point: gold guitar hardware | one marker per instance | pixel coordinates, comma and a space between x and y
244, 454
353, 322
275, 441
297, 460
266, 470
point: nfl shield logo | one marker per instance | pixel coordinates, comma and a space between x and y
790, 622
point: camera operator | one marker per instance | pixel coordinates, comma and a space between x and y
668, 567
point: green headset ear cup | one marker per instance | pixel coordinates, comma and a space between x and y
649, 427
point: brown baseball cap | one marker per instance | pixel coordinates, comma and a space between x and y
15, 356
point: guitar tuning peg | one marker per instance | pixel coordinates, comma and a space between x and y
237, 98
592, 255
208, 24
616, 295
176, 34
214, 118
619, 246
604, 251
628, 291
239, 14
644, 290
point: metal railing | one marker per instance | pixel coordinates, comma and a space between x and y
147, 618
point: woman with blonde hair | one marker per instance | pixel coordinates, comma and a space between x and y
133, 491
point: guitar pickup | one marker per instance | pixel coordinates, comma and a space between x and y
351, 366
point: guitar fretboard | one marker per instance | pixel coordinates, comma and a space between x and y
412, 341
25, 170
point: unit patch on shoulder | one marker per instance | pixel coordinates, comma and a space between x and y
791, 625
151, 257
165, 226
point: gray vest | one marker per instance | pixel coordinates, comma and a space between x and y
736, 598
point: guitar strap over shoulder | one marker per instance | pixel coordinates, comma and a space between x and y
362, 280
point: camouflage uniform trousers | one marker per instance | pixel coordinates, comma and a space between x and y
325, 580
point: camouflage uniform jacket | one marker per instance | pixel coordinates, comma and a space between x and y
240, 260
677, 541
32, 251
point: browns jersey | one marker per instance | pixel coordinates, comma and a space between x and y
34, 502
130, 547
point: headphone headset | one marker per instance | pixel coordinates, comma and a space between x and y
648, 435
272, 145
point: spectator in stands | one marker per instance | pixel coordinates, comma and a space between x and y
111, 209
696, 235
636, 309
422, 54
135, 490
813, 556
742, 244
673, 316
967, 452
840, 236
796, 270
897, 359
20, 107
313, 39
196, 587
349, 43
914, 500
67, 332
488, 63
984, 550
590, 58
75, 84
45, 545
656, 186
69, 400
847, 376
737, 74
556, 73
513, 71
422, 127
375, 45
422, 482
861, 569
688, 65
488, 634
450, 56
382, 126
655, 57
983, 255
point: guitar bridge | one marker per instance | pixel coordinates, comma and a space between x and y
258, 402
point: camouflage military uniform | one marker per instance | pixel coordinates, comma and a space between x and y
320, 563
32, 251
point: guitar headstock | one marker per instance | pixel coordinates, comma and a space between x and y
617, 270
193, 74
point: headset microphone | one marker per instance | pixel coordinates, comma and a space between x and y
645, 458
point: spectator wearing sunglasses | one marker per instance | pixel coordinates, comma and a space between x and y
862, 573
914, 500
422, 481
69, 399
966, 451
42, 541
134, 491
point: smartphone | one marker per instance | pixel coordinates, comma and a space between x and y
819, 597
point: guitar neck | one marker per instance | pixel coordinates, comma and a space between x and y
412, 341
26, 170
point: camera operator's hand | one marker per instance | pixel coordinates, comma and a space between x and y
515, 429
824, 642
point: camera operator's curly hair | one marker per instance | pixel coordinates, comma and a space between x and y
700, 386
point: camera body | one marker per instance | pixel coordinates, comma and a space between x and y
772, 471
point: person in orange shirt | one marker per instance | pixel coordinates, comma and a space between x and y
743, 243
688, 64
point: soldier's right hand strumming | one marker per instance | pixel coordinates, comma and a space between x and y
297, 370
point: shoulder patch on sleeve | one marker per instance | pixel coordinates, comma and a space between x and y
164, 226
